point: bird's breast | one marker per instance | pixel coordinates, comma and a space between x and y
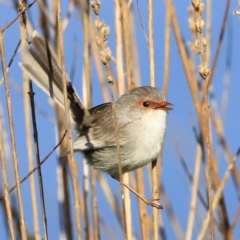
146, 138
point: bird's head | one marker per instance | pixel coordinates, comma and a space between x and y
143, 101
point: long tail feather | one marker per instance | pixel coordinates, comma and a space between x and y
41, 65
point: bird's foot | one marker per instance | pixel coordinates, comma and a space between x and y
154, 203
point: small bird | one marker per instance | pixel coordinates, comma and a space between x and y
141, 116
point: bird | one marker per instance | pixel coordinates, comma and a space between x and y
141, 115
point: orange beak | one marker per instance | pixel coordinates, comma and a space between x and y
164, 106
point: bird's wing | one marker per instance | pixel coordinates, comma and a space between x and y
101, 133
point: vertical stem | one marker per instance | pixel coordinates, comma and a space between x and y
35, 135
70, 144
126, 42
95, 206
35, 132
30, 159
167, 51
5, 184
29, 139
151, 43
120, 77
88, 102
209, 178
193, 203
142, 206
119, 46
125, 227
153, 84
14, 150
64, 201
208, 29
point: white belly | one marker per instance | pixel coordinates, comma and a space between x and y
147, 138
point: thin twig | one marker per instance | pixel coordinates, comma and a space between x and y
216, 198
124, 11
87, 89
193, 204
103, 32
26, 85
18, 16
111, 198
224, 23
34, 169
70, 143
5, 183
141, 22
121, 88
14, 149
189, 175
173, 219
167, 52
155, 190
40, 181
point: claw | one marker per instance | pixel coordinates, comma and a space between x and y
154, 203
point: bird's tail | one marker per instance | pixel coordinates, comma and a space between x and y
41, 65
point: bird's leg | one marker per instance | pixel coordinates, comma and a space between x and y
152, 202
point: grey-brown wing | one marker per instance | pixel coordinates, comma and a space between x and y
100, 133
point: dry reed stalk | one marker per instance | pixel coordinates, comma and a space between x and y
29, 135
63, 197
165, 91
188, 68
34, 169
173, 219
224, 23
208, 29
216, 198
44, 18
96, 224
103, 32
189, 175
30, 159
193, 204
128, 207
87, 89
119, 159
18, 16
5, 183
119, 47
143, 220
69, 14
112, 200
217, 123
124, 13
167, 51
64, 200
151, 43
139, 181
35, 132
121, 83
98, 65
86, 199
235, 220
155, 190
70, 144
134, 47
13, 143
204, 72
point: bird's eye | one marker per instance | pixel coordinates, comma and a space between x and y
146, 104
